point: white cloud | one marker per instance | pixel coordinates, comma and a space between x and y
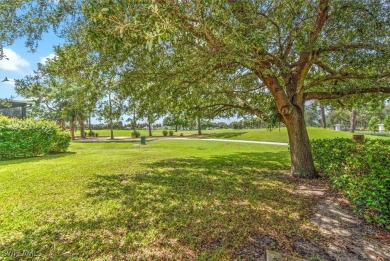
43, 60
13, 61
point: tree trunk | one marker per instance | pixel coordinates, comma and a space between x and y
150, 129
323, 116
72, 129
352, 120
199, 126
302, 165
134, 122
62, 124
82, 128
89, 123
111, 130
111, 123
176, 128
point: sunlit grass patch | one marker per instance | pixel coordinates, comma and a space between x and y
168, 199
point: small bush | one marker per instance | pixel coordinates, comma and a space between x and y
135, 134
96, 134
361, 171
171, 132
29, 138
181, 134
91, 134
165, 132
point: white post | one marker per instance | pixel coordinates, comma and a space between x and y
381, 127
337, 127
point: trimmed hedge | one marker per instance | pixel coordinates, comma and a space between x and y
30, 138
361, 171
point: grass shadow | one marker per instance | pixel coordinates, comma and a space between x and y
35, 159
178, 208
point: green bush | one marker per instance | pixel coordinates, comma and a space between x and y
171, 132
361, 171
29, 138
61, 142
165, 132
135, 134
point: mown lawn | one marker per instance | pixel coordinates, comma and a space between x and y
166, 200
277, 135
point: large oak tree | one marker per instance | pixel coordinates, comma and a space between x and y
298, 50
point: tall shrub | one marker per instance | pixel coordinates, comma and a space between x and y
361, 171
29, 138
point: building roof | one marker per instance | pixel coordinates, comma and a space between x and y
15, 104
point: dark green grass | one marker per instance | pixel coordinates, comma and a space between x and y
165, 200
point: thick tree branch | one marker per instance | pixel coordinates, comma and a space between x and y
227, 106
336, 95
273, 85
303, 70
343, 47
307, 58
322, 16
325, 67
325, 78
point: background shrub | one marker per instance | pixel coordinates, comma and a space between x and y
361, 171
165, 132
171, 132
29, 138
135, 134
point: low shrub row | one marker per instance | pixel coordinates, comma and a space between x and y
29, 138
360, 171
166, 132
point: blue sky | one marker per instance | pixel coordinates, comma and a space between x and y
21, 62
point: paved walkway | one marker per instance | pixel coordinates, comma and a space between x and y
238, 141
105, 139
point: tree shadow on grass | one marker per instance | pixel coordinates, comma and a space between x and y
35, 159
226, 135
179, 208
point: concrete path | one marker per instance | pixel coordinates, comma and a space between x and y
238, 141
